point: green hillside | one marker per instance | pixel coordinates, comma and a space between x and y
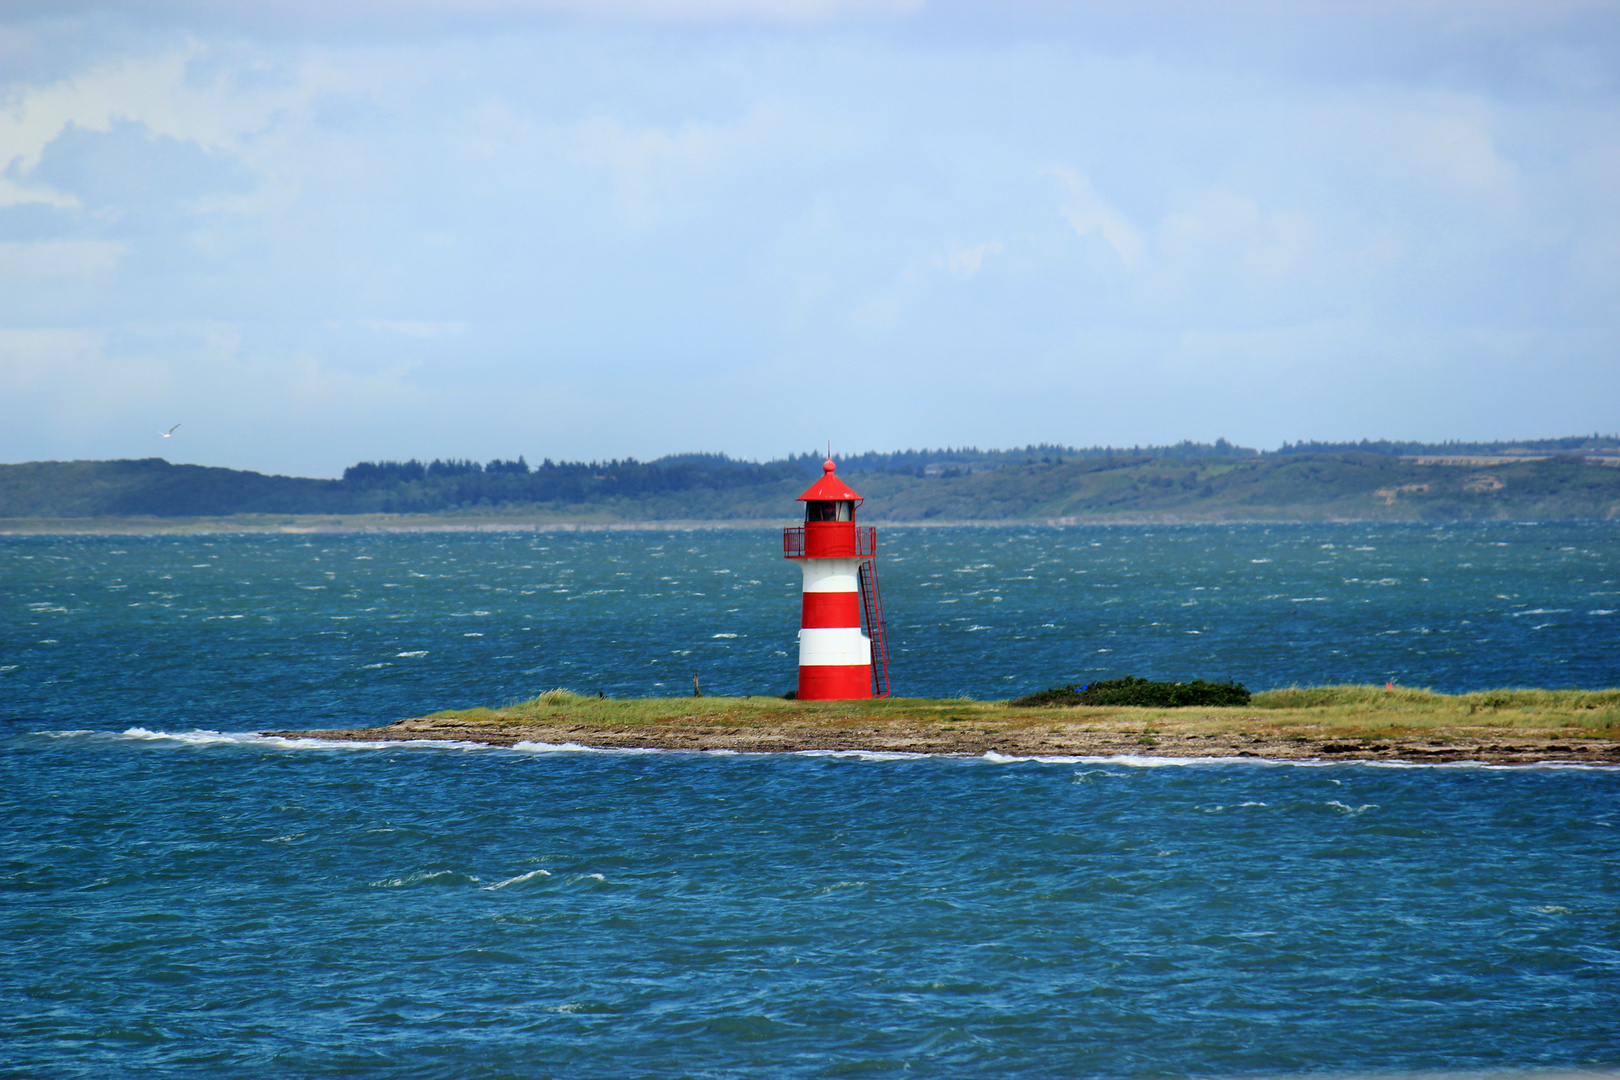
924, 486
153, 487
1283, 487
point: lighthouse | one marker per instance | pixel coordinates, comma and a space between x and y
837, 661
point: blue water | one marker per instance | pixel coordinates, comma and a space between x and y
349, 630
182, 897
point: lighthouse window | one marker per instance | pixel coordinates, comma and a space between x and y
829, 510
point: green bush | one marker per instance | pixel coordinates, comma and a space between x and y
1045, 699
1141, 692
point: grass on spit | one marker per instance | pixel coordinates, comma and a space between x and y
1302, 712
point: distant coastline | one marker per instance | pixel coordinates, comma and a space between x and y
1152, 486
403, 524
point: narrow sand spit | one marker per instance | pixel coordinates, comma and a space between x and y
1493, 746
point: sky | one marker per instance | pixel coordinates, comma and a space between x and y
318, 233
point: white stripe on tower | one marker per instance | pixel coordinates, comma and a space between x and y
841, 645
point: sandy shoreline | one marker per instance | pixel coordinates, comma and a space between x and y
1489, 746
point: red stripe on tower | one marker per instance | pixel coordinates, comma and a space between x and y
822, 609
835, 657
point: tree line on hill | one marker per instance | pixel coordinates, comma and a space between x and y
1192, 479
970, 459
1572, 444
678, 471
154, 487
458, 482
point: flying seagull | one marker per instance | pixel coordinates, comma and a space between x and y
168, 434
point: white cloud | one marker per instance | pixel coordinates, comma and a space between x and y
152, 90
648, 168
409, 328
196, 93
778, 11
659, 172
1272, 350
968, 261
1088, 212
319, 13
29, 358
405, 226
33, 262
1453, 150
1223, 245
59, 387
15, 194
67, 393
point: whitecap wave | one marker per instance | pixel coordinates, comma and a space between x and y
425, 877
1505, 766
520, 879
532, 747
202, 737
866, 755
1140, 760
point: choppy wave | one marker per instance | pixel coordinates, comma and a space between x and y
529, 746
203, 737
983, 916
867, 755
187, 900
426, 877
518, 880
1138, 760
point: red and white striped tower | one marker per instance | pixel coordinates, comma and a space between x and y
836, 660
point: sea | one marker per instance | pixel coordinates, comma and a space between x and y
182, 896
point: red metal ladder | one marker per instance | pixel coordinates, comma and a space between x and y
872, 612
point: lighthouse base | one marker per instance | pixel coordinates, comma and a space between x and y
834, 682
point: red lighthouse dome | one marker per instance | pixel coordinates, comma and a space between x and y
836, 659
